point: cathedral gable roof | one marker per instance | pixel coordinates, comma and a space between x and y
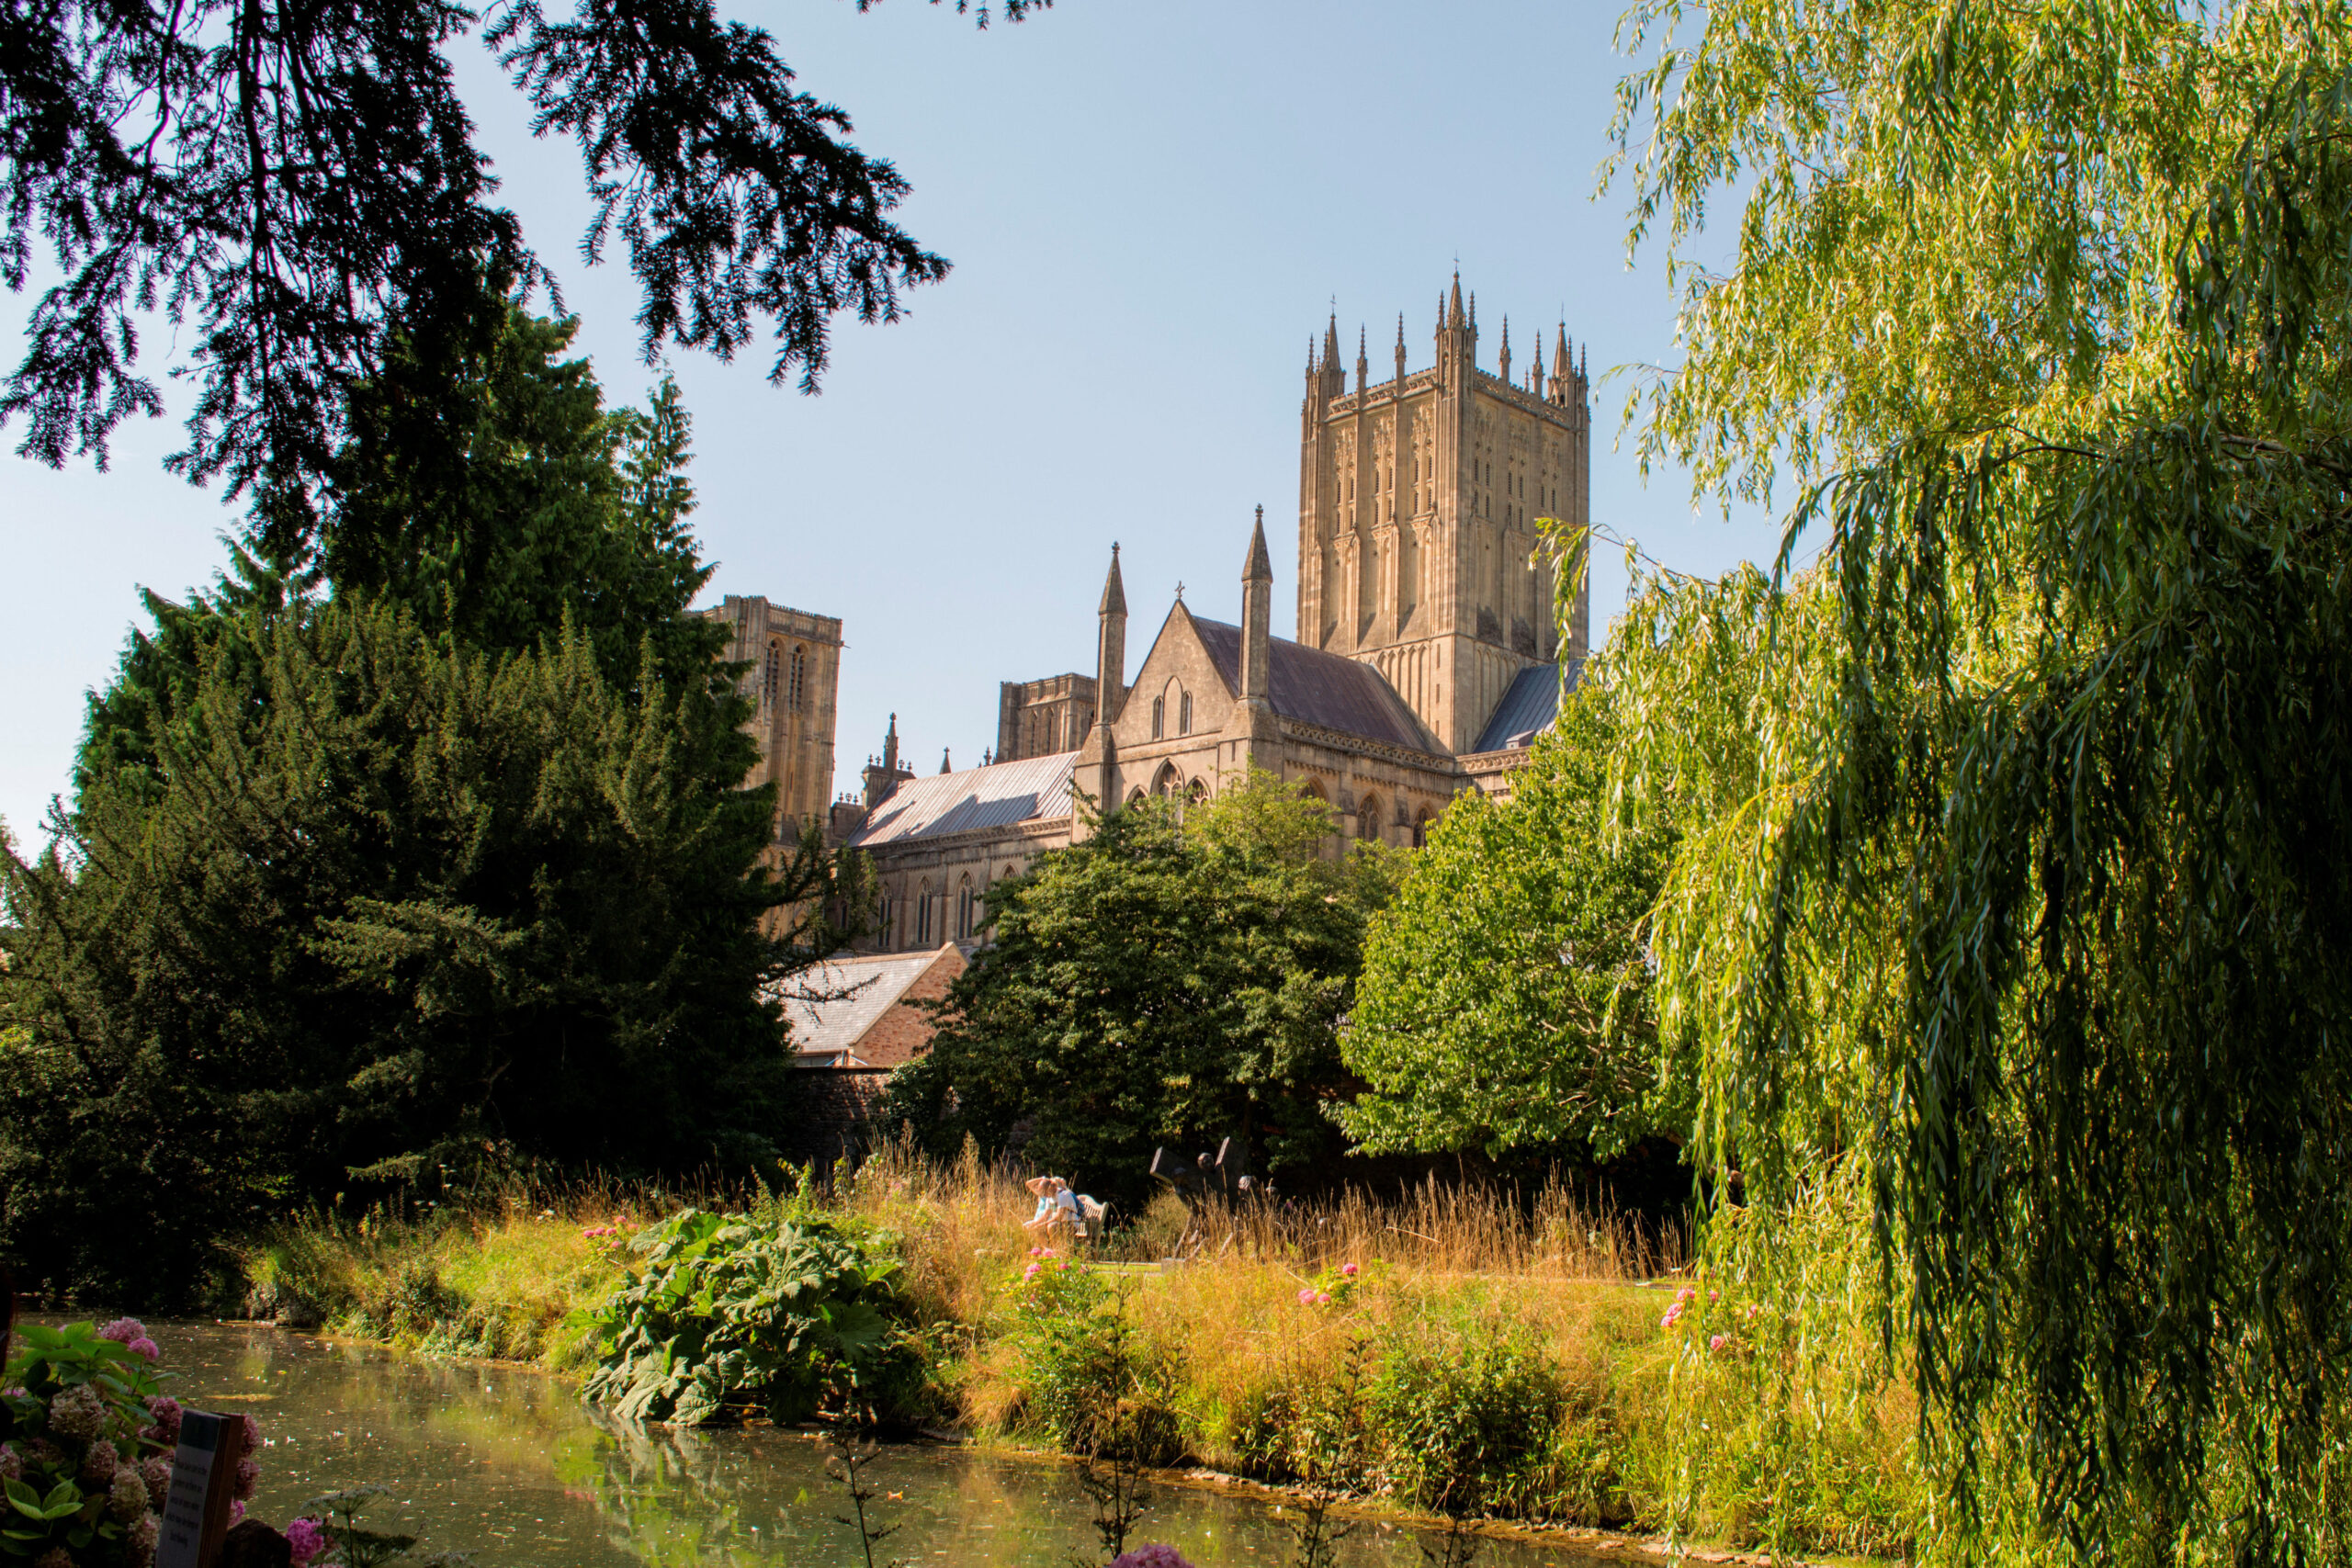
1000, 796
1528, 707
1322, 689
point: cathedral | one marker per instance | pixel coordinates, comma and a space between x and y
1428, 654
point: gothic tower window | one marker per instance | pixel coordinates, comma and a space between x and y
923, 915
770, 679
1184, 713
1159, 717
795, 688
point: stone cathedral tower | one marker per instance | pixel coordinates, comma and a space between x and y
1418, 500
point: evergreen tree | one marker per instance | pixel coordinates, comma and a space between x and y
294, 180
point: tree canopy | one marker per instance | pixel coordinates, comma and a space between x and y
1177, 976
2023, 896
294, 181
1504, 1003
441, 866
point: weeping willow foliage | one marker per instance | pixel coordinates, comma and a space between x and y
2022, 897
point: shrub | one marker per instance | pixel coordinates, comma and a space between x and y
1465, 1417
788, 1316
1090, 1382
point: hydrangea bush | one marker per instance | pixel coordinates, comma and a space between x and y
86, 1434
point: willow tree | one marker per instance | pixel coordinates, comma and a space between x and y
2026, 905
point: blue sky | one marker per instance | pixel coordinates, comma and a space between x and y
1151, 207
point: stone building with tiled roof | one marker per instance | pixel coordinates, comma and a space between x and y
1428, 656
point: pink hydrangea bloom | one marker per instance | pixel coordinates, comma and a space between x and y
306, 1538
123, 1330
1347, 1270
1714, 1341
156, 1471
55, 1557
98, 1461
248, 1477
12, 1463
127, 1497
253, 1434
146, 1348
1156, 1555
166, 1413
1673, 1316
141, 1538
1305, 1295
236, 1511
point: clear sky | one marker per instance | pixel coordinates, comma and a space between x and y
1151, 207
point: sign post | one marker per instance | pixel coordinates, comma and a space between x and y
204, 1480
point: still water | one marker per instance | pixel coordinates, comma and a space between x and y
508, 1465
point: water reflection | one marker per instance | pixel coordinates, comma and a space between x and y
510, 1465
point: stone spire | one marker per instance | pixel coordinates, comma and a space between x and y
1454, 316
1400, 353
944, 765
1256, 632
1364, 364
891, 745
1505, 372
1110, 650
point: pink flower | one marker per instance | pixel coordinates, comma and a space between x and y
127, 1497
141, 1541
123, 1330
1156, 1555
1715, 1342
1715, 1296
236, 1509
77, 1412
1306, 1295
156, 1471
253, 1434
166, 1413
1347, 1270
1673, 1316
248, 1477
1029, 1273
1322, 1298
306, 1540
97, 1463
12, 1463
146, 1347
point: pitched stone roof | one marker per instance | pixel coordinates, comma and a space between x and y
995, 796
1528, 708
1322, 689
841, 1030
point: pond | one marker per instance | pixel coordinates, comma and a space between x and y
509, 1464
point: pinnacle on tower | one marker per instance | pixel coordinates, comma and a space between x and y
1115, 592
1331, 342
1454, 317
1560, 354
1259, 567
944, 766
1505, 360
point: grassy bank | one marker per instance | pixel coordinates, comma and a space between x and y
1453, 1351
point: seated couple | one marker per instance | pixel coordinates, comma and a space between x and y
1061, 1208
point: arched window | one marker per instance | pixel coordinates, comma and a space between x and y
1166, 781
1422, 829
1135, 798
922, 916
964, 902
1159, 717
1368, 818
1184, 713
883, 919
796, 686
771, 675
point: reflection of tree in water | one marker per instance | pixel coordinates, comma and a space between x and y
668, 1496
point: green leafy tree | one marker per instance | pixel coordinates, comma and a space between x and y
2030, 919
380, 910
1504, 1003
1168, 979
293, 180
